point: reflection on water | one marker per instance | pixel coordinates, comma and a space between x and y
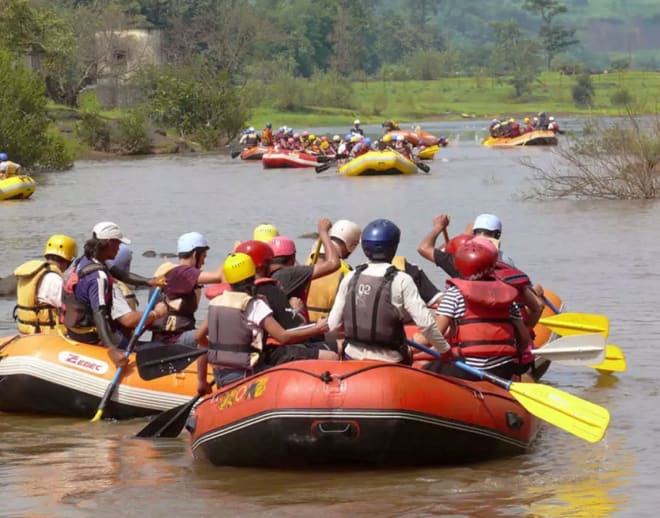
599, 256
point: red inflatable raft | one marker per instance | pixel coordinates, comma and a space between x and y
286, 158
317, 412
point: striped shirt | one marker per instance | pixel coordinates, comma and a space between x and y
452, 305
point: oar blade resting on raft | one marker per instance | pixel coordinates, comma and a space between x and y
155, 361
565, 324
582, 418
571, 413
575, 415
574, 350
614, 361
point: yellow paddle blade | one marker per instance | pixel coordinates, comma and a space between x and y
614, 361
582, 418
565, 324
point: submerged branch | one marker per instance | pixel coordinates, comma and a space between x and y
615, 162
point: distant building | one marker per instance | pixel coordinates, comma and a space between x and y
120, 55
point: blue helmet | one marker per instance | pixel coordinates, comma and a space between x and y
347, 137
3, 156
367, 141
380, 239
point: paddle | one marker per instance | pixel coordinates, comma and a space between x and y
234, 154
570, 350
570, 413
577, 323
324, 167
614, 360
169, 423
160, 360
321, 159
129, 348
422, 166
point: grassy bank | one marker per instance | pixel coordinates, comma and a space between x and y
412, 101
481, 97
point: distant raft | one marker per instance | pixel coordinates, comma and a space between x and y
531, 138
378, 163
286, 158
18, 187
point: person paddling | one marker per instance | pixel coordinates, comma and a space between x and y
487, 330
233, 330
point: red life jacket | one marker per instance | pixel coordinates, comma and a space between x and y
485, 330
517, 279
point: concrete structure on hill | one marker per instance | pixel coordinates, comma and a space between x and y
120, 54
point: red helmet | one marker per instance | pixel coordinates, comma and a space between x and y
282, 246
475, 259
260, 252
456, 241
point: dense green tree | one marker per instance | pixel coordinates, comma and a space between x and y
555, 38
516, 55
197, 101
24, 125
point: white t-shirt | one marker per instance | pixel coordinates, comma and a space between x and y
256, 312
120, 305
50, 290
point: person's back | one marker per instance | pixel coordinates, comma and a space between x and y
234, 329
486, 327
375, 299
182, 291
39, 287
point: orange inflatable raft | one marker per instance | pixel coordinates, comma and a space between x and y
52, 375
364, 413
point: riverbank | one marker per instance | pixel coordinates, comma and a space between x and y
411, 102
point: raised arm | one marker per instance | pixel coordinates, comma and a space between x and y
331, 263
427, 245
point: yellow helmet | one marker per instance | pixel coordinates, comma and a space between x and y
265, 232
526, 119
512, 119
61, 246
312, 138
387, 138
238, 267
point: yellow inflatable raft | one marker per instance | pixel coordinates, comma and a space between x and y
17, 187
378, 163
531, 138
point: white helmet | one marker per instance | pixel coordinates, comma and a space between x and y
336, 138
347, 232
551, 118
356, 122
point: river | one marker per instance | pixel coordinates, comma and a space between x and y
598, 255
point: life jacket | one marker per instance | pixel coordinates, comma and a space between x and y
485, 330
267, 137
129, 295
180, 310
252, 139
370, 318
517, 279
11, 168
230, 337
77, 315
31, 316
322, 293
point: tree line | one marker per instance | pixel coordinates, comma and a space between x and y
223, 55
